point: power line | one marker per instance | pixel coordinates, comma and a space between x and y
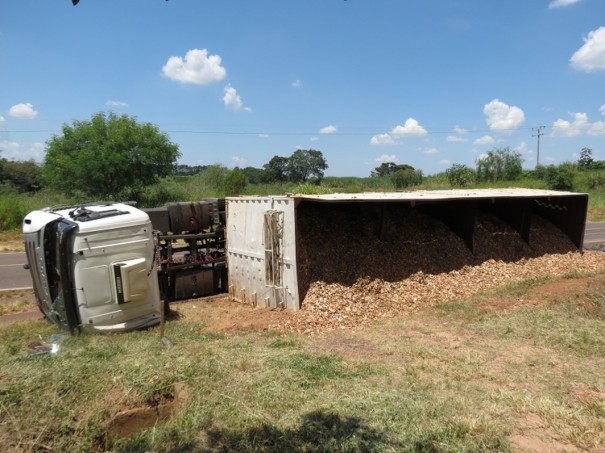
303, 133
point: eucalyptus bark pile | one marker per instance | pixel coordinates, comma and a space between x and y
361, 265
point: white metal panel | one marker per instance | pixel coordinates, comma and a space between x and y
246, 252
102, 249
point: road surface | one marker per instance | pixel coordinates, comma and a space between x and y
12, 273
14, 276
594, 233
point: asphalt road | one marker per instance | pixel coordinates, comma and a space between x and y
12, 273
594, 233
14, 276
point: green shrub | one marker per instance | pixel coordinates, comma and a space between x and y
234, 183
459, 175
558, 177
596, 181
12, 212
406, 178
499, 164
158, 194
307, 188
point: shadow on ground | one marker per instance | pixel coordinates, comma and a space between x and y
319, 431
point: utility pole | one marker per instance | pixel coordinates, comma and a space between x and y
538, 134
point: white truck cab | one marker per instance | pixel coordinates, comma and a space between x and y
93, 266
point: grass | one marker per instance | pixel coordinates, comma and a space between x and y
16, 302
456, 377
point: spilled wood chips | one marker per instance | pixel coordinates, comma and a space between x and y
357, 268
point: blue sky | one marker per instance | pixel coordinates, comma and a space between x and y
428, 83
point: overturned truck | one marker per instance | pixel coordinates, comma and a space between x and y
106, 266
100, 266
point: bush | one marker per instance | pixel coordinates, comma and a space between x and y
557, 177
12, 212
165, 191
406, 178
501, 164
459, 175
307, 188
596, 181
234, 183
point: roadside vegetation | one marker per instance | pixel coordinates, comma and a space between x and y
111, 157
16, 301
510, 369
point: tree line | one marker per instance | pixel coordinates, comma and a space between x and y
504, 164
114, 156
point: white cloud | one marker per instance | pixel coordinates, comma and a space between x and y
564, 128
445, 162
239, 161
2, 119
111, 103
591, 56
197, 67
602, 109
382, 139
232, 100
36, 152
263, 135
297, 83
9, 150
385, 158
410, 127
328, 130
501, 117
523, 149
430, 151
23, 111
314, 139
597, 128
562, 3
485, 140
14, 151
577, 127
459, 131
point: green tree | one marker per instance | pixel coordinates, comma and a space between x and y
187, 170
459, 175
585, 161
558, 177
235, 182
276, 170
212, 176
24, 176
406, 178
499, 164
388, 168
254, 175
306, 163
106, 155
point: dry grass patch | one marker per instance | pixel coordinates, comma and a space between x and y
16, 302
11, 241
